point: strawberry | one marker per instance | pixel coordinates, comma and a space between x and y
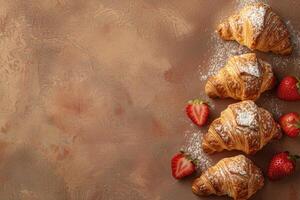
290, 124
282, 164
182, 165
289, 89
198, 111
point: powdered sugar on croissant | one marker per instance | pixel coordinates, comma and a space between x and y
236, 177
244, 77
257, 27
242, 126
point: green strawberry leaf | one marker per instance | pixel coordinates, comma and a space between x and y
294, 157
298, 85
198, 101
297, 124
196, 162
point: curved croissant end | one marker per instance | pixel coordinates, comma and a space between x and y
257, 27
225, 31
215, 88
201, 188
236, 177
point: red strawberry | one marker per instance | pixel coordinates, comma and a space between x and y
289, 89
182, 166
282, 164
290, 124
198, 111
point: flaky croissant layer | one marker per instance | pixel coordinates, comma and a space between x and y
236, 177
242, 126
244, 77
257, 27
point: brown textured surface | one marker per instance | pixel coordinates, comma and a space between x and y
92, 97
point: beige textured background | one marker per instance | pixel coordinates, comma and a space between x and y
92, 96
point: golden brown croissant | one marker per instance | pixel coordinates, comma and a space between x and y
257, 27
236, 177
242, 126
244, 77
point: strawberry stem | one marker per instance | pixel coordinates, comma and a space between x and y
297, 124
294, 157
197, 101
298, 84
297, 157
186, 155
196, 161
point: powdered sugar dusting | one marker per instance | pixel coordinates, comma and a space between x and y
250, 68
239, 166
221, 51
247, 115
272, 104
245, 118
278, 61
256, 16
192, 146
242, 3
222, 130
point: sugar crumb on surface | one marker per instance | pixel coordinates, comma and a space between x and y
221, 51
193, 147
272, 104
242, 3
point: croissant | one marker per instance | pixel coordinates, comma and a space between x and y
242, 126
257, 27
244, 77
236, 177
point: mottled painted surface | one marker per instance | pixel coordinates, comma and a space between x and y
92, 96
